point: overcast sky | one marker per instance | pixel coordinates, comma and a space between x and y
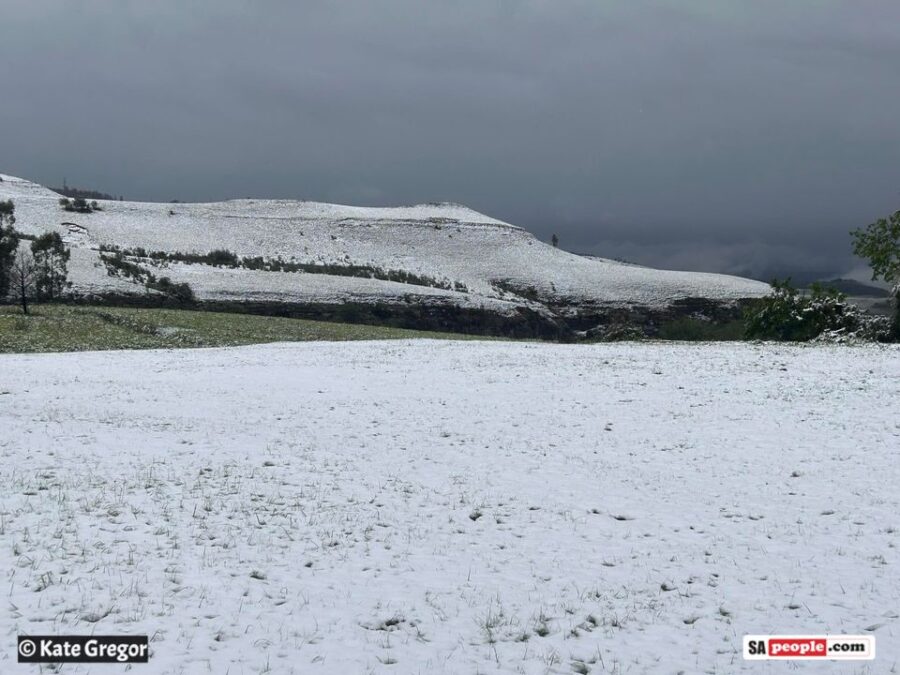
743, 136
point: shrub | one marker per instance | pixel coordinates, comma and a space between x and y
118, 266
614, 332
78, 205
225, 258
788, 315
222, 258
183, 294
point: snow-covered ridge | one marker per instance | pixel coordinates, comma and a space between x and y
294, 209
445, 241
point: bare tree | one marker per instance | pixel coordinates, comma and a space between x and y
9, 242
22, 274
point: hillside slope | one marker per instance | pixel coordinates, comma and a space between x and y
466, 259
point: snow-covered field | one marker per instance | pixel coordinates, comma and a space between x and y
447, 242
442, 507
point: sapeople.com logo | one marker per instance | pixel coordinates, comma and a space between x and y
841, 647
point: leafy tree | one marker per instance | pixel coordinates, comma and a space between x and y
51, 258
9, 242
879, 243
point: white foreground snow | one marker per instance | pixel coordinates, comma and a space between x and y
440, 507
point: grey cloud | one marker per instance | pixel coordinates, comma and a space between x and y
745, 136
761, 260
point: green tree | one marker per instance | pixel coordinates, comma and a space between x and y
879, 243
9, 242
51, 258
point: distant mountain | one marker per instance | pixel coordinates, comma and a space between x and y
855, 288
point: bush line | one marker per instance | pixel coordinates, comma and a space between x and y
225, 258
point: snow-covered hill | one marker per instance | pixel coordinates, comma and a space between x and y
489, 264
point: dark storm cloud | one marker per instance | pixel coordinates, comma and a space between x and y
745, 136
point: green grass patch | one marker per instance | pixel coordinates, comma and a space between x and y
691, 329
66, 328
